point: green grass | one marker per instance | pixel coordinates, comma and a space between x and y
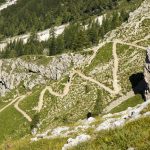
104, 55
121, 49
131, 102
146, 109
134, 134
146, 23
10, 95
37, 59
25, 144
31, 101
12, 124
2, 104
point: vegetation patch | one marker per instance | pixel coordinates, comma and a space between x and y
134, 134
25, 144
12, 125
104, 55
131, 102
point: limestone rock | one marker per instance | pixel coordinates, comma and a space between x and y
13, 72
147, 72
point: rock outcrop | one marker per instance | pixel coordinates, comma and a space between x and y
147, 73
30, 73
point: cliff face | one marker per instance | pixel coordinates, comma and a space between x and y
147, 73
32, 73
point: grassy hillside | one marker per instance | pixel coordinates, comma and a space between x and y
93, 86
134, 134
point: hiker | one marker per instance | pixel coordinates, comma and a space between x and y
89, 114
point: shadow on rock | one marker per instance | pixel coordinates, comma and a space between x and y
139, 85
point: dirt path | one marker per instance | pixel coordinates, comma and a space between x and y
141, 40
131, 44
65, 92
117, 102
115, 68
16, 105
95, 50
9, 104
17, 101
116, 86
96, 82
73, 72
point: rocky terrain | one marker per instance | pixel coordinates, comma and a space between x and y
63, 89
15, 71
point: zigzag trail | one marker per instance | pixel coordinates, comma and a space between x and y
20, 110
65, 92
10, 103
116, 86
68, 84
59, 30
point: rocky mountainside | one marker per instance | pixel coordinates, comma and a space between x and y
50, 96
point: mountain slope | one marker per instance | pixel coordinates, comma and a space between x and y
62, 89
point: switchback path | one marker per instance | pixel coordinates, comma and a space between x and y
141, 40
96, 82
9, 104
117, 102
65, 92
116, 86
16, 105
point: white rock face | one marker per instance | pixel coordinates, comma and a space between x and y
110, 121
13, 71
74, 142
88, 121
147, 72
42, 36
59, 130
131, 148
130, 30
130, 114
34, 131
8, 3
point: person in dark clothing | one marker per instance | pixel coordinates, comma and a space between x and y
89, 114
